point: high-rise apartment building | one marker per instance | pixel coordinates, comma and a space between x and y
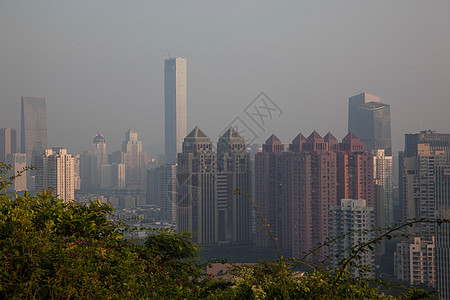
383, 175
442, 192
206, 203
175, 103
135, 160
423, 196
33, 138
352, 221
370, 120
296, 189
8, 143
55, 172
414, 261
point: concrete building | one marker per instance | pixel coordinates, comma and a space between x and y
135, 160
8, 143
175, 103
351, 223
18, 162
33, 139
206, 204
414, 261
55, 172
370, 120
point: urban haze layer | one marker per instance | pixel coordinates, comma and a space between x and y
311, 182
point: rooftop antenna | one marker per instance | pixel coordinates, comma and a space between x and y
169, 53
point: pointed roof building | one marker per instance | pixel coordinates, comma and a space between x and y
297, 142
273, 144
197, 141
351, 143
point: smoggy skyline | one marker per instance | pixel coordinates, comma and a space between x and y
100, 65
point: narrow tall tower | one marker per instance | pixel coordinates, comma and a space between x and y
175, 102
33, 139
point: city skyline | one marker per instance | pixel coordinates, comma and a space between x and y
111, 73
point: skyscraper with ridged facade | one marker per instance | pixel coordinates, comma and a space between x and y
206, 181
175, 106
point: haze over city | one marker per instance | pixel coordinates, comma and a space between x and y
100, 64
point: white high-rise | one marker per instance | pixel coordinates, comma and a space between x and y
175, 102
55, 172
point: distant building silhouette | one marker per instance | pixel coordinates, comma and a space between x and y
175, 103
18, 162
8, 142
99, 158
135, 160
33, 139
370, 120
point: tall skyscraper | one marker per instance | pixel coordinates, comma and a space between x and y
197, 188
233, 164
55, 172
8, 143
370, 120
175, 102
206, 203
33, 139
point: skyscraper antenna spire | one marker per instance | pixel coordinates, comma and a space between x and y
168, 53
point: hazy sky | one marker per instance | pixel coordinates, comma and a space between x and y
100, 64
